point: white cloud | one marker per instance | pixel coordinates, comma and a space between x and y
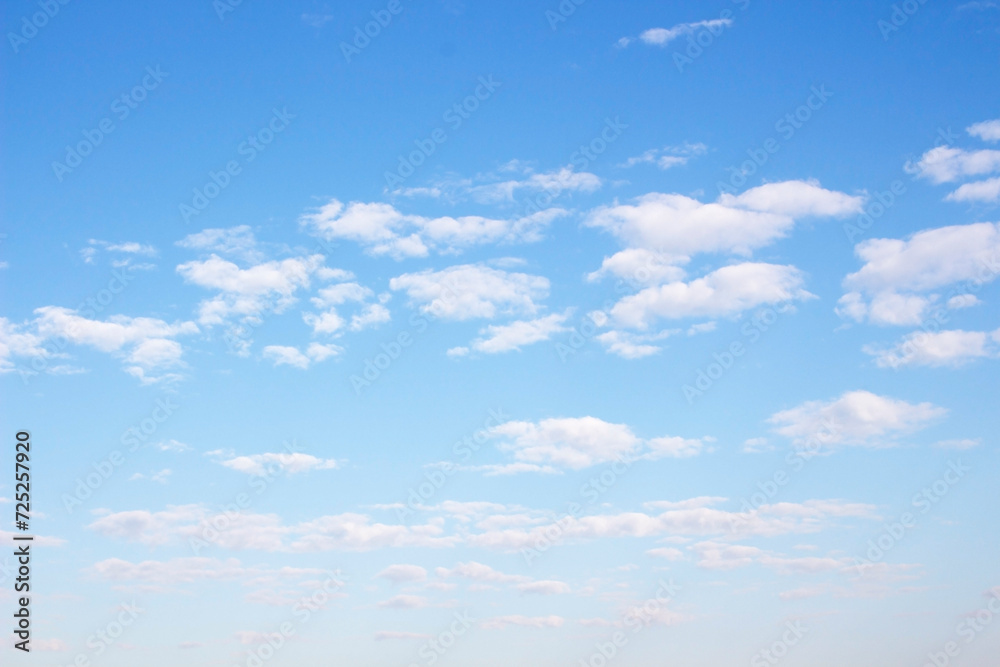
404, 602
331, 322
291, 356
667, 553
724, 292
668, 156
128, 248
501, 622
939, 348
495, 339
398, 574
268, 463
796, 199
501, 188
945, 164
855, 418
472, 291
383, 230
248, 292
190, 570
767, 520
898, 276
583, 442
984, 191
988, 130
677, 225
266, 532
481, 573
641, 266
663, 36
630, 345
172, 446
236, 241
960, 444
15, 341
756, 445
547, 587
145, 344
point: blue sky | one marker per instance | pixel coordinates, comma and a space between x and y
529, 333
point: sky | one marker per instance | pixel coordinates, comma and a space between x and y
536, 333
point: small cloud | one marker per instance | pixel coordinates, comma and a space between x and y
965, 443
757, 445
317, 20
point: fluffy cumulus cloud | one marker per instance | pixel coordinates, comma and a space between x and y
980, 191
724, 292
370, 311
284, 355
583, 442
382, 229
946, 164
854, 418
988, 130
271, 462
146, 345
897, 283
495, 339
662, 232
472, 291
938, 348
681, 226
250, 292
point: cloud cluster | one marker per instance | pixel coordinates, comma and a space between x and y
662, 232
947, 164
900, 279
